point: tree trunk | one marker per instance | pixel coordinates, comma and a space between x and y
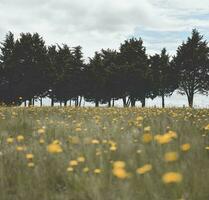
113, 102
65, 103
143, 101
96, 103
190, 100
25, 103
30, 102
33, 101
70, 102
163, 101
80, 101
133, 102
41, 102
128, 102
52, 102
76, 102
109, 103
124, 102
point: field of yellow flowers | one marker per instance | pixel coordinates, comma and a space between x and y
104, 154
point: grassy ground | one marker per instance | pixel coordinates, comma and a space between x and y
104, 154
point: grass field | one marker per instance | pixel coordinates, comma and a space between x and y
104, 154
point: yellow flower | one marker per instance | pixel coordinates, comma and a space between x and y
120, 173
10, 140
185, 147
144, 169
172, 177
97, 171
29, 156
41, 141
73, 163
94, 141
31, 164
20, 138
147, 138
81, 159
56, 142
70, 169
171, 156
207, 127
147, 129
54, 148
113, 148
20, 148
85, 169
163, 139
139, 118
41, 131
119, 164
78, 129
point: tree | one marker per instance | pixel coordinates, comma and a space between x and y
31, 66
164, 80
95, 80
134, 62
8, 72
191, 62
66, 74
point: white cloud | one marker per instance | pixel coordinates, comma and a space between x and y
96, 24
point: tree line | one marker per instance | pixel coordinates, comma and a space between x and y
30, 71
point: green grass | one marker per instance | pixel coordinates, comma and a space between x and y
75, 128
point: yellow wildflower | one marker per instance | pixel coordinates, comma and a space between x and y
20, 138
73, 163
31, 164
41, 131
10, 140
81, 159
185, 147
147, 138
172, 177
70, 169
54, 148
207, 127
20, 148
119, 170
97, 171
119, 164
144, 169
29, 156
171, 156
85, 169
147, 129
41, 141
94, 141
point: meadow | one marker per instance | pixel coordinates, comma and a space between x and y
71, 153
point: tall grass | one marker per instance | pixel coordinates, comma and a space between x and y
100, 137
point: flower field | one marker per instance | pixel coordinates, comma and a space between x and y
104, 154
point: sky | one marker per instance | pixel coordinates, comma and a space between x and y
97, 24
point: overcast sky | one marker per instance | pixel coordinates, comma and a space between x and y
96, 24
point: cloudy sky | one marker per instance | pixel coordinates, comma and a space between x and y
96, 24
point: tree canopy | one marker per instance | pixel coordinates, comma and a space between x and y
30, 71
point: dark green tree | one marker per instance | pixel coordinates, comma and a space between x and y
31, 66
134, 62
164, 79
95, 80
9, 74
191, 62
